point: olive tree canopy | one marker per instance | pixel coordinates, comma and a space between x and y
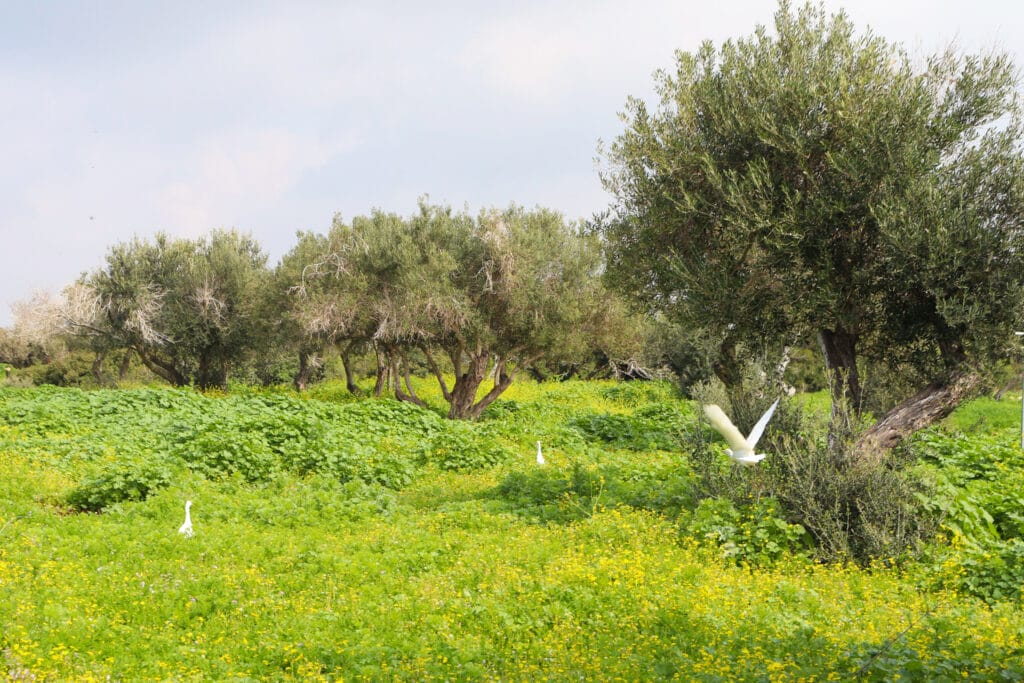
819, 181
478, 297
186, 307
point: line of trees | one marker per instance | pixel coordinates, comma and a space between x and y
466, 297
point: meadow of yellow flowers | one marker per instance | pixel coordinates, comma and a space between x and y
302, 575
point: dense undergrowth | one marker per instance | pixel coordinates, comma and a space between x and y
370, 539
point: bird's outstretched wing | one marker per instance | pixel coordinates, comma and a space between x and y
758, 430
727, 429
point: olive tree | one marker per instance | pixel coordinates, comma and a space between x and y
473, 297
818, 182
186, 307
299, 309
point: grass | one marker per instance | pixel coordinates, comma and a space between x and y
333, 575
986, 414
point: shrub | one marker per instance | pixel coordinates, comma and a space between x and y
119, 480
756, 534
464, 447
852, 510
862, 511
72, 369
218, 450
385, 462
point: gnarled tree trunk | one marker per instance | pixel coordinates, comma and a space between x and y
727, 367
839, 348
97, 366
126, 364
163, 369
917, 412
463, 393
346, 362
212, 372
302, 377
383, 368
462, 402
399, 373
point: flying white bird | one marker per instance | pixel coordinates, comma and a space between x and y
186, 528
742, 450
540, 455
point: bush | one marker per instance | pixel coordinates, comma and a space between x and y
861, 511
217, 451
119, 480
73, 369
464, 447
344, 458
756, 534
852, 510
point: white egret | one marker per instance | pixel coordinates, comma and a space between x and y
540, 455
742, 450
186, 528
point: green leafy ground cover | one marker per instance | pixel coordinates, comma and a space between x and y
342, 539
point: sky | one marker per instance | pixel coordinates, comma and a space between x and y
121, 119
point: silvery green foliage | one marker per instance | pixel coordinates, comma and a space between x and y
815, 181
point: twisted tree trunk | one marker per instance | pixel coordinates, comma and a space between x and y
97, 366
346, 362
383, 368
839, 347
302, 377
462, 402
126, 363
917, 412
164, 369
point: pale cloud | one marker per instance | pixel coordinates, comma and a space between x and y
239, 172
549, 53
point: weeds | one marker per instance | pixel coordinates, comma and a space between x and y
362, 555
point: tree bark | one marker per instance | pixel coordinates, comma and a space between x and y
346, 363
917, 412
126, 363
726, 367
301, 381
212, 373
382, 372
399, 362
163, 369
435, 368
463, 404
463, 393
97, 366
839, 348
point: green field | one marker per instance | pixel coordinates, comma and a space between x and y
343, 539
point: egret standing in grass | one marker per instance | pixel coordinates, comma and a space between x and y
186, 528
540, 455
742, 450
